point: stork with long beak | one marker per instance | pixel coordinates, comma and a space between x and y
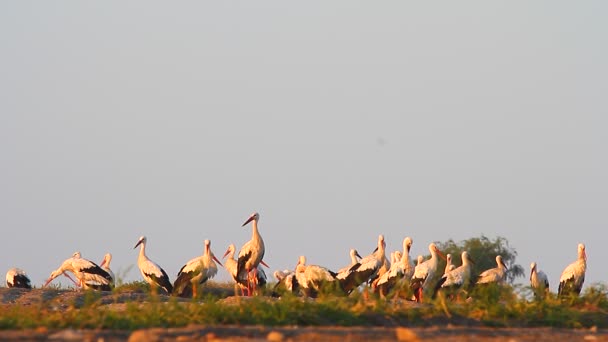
251, 254
150, 271
424, 272
573, 276
497, 274
196, 271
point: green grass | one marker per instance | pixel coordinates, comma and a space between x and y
492, 306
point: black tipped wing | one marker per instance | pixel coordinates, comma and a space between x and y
21, 281
182, 282
162, 281
240, 266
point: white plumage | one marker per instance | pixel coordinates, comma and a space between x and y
448, 264
16, 277
196, 271
150, 271
402, 268
497, 274
458, 277
88, 273
367, 268
312, 277
573, 276
241, 281
424, 273
105, 264
538, 280
354, 258
251, 254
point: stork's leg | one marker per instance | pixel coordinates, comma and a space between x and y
255, 279
194, 289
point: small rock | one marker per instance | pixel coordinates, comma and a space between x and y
405, 334
590, 338
67, 335
275, 336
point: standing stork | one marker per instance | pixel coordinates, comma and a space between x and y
196, 271
312, 277
402, 268
424, 272
419, 260
573, 276
150, 271
88, 273
538, 281
105, 264
16, 277
241, 280
497, 274
365, 269
354, 258
251, 253
448, 263
456, 278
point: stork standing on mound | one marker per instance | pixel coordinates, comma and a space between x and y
150, 271
105, 264
241, 280
456, 278
573, 276
402, 268
538, 281
365, 269
251, 254
354, 258
196, 271
312, 277
16, 277
496, 275
88, 273
424, 272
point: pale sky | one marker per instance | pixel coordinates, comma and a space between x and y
337, 121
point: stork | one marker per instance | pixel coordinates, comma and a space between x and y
419, 260
456, 278
365, 269
88, 273
402, 268
497, 274
150, 271
105, 264
573, 276
196, 271
354, 258
312, 277
538, 281
241, 280
286, 281
251, 253
424, 272
16, 277
448, 263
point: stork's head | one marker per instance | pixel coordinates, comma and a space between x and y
419, 259
582, 254
254, 217
407, 243
434, 250
76, 255
141, 240
300, 267
53, 275
354, 253
465, 256
230, 249
448, 258
397, 256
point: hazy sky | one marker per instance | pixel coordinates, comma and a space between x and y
337, 121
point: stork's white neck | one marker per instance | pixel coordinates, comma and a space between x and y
142, 251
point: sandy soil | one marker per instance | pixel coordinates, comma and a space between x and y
61, 299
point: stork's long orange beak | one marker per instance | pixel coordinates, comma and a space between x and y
440, 254
214, 258
263, 263
227, 252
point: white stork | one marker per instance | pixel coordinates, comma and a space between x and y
456, 278
241, 281
286, 281
538, 281
354, 258
251, 253
16, 277
105, 264
401, 268
573, 276
196, 271
497, 274
367, 268
419, 260
448, 263
88, 273
312, 277
150, 271
424, 272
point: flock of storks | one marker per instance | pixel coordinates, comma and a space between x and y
374, 272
